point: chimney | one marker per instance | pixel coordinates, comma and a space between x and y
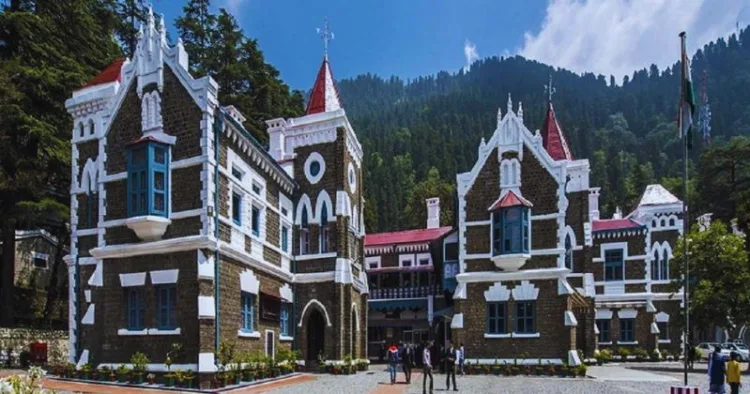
618, 213
433, 212
704, 221
594, 203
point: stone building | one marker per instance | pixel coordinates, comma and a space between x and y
541, 275
185, 229
36, 251
409, 288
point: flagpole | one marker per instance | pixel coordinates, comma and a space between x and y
685, 219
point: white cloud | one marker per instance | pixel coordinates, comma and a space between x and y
471, 54
234, 6
620, 36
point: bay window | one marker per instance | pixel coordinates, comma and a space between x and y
148, 182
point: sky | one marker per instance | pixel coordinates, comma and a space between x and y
411, 38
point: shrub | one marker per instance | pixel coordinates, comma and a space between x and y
640, 354
623, 353
604, 355
139, 362
655, 355
582, 369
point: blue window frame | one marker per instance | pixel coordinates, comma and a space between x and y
525, 317
496, 317
247, 313
304, 234
568, 253
135, 309
284, 238
148, 179
604, 329
324, 230
256, 220
510, 231
613, 265
166, 306
284, 319
627, 330
664, 267
237, 208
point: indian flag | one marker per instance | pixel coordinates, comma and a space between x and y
687, 98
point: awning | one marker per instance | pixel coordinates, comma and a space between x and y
383, 305
273, 293
446, 313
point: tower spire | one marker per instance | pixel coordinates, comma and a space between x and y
324, 96
553, 138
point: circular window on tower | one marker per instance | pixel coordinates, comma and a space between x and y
315, 167
352, 175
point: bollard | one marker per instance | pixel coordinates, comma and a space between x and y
684, 390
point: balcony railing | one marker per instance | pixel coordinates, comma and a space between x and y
405, 292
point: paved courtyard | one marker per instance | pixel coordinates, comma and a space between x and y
609, 379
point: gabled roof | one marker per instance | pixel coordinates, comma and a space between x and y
657, 195
324, 96
110, 73
406, 237
553, 138
510, 199
615, 224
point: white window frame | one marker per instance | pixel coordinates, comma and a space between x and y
423, 256
373, 259
406, 257
41, 256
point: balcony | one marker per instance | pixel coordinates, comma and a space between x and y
405, 292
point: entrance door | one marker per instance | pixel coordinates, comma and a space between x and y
315, 334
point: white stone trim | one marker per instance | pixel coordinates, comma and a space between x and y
662, 317
186, 214
627, 342
125, 332
316, 256
526, 291
156, 331
627, 313
286, 293
88, 318
156, 247
570, 319
458, 321
603, 314
308, 162
372, 259
323, 199
133, 279
513, 361
496, 336
249, 283
351, 177
87, 295
319, 305
248, 334
284, 338
547, 252
273, 343
520, 335
206, 307
189, 162
262, 265
164, 276
315, 277
304, 202
665, 341
206, 266
206, 362
654, 328
494, 276
479, 223
97, 278
356, 314
497, 293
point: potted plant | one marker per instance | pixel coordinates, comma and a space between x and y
573, 371
563, 371
582, 369
104, 373
69, 369
122, 373
86, 371
551, 370
506, 370
151, 378
187, 379
514, 370
623, 353
640, 354
527, 370
139, 361
179, 377
538, 371
169, 378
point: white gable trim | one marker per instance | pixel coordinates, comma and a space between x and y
164, 276
627, 313
304, 201
525, 292
249, 283
662, 317
604, 314
317, 304
134, 279
286, 293
324, 199
497, 292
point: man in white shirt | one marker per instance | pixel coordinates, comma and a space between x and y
461, 357
426, 367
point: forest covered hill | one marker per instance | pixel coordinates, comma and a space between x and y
418, 134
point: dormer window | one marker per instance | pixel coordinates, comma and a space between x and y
148, 171
511, 231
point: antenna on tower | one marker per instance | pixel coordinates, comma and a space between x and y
550, 89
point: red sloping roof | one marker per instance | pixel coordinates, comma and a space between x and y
317, 103
615, 224
510, 199
110, 73
553, 138
406, 237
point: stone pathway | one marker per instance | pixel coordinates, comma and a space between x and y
613, 372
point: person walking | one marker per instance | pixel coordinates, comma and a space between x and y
392, 356
407, 361
716, 371
451, 355
426, 367
733, 374
461, 357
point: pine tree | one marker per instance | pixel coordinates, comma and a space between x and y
130, 15
36, 77
196, 27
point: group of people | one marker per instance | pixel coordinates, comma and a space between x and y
718, 370
407, 357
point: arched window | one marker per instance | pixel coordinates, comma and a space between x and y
671, 222
91, 127
663, 223
664, 267
568, 253
653, 223
324, 229
304, 233
655, 266
81, 130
